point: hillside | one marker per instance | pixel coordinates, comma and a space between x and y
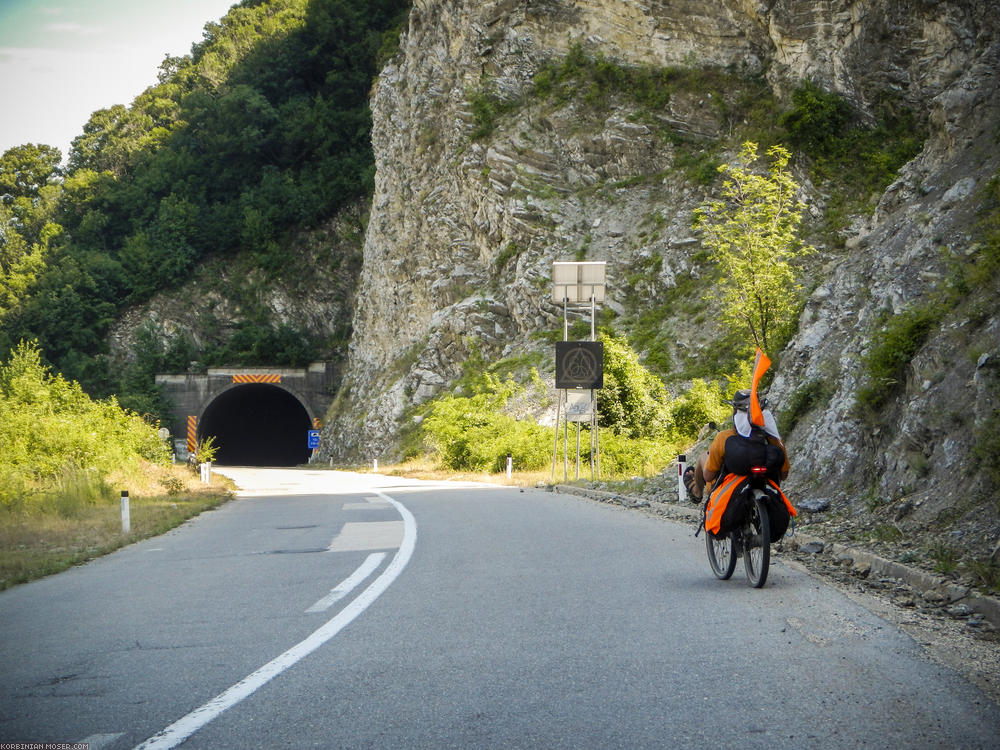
507, 136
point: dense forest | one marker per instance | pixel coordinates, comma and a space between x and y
264, 129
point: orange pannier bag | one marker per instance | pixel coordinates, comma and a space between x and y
719, 499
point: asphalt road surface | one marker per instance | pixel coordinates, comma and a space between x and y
323, 609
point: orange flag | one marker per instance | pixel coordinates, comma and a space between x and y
760, 365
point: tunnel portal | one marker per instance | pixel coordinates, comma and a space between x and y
257, 425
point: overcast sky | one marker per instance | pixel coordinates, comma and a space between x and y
61, 60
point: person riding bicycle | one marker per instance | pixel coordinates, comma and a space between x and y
710, 463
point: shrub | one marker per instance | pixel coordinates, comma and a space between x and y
57, 441
471, 433
633, 401
702, 403
892, 350
813, 394
622, 456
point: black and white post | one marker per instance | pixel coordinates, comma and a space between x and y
126, 514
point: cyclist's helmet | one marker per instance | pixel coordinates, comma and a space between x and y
741, 401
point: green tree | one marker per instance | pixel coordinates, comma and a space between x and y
751, 233
633, 402
24, 170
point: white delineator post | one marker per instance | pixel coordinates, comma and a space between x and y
681, 489
126, 514
510, 465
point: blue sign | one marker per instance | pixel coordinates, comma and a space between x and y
313, 439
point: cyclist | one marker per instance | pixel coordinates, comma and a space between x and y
710, 463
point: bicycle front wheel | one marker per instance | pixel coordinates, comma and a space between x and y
721, 554
756, 542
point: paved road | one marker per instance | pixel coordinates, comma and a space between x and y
330, 610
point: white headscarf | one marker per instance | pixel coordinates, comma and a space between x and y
742, 420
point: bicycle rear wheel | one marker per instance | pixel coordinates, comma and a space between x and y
721, 554
756, 542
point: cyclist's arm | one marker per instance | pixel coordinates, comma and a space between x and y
716, 453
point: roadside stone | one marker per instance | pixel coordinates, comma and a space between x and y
958, 611
862, 569
814, 504
933, 597
812, 548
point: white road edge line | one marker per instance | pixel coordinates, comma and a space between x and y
184, 727
350, 583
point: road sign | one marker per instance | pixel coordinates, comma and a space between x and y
579, 364
313, 439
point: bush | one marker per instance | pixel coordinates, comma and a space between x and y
471, 433
813, 394
700, 404
633, 401
57, 441
892, 350
621, 456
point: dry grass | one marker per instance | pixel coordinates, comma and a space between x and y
423, 469
40, 541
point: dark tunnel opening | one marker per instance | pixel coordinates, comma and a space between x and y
257, 425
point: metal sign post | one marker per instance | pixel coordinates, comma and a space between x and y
579, 364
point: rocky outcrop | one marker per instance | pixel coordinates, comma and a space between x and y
463, 231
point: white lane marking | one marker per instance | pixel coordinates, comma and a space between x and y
99, 741
184, 727
358, 536
348, 584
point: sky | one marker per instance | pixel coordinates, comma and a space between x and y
62, 60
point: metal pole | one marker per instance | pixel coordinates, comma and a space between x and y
593, 333
593, 433
597, 441
566, 446
555, 444
578, 450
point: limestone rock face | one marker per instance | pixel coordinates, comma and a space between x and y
463, 229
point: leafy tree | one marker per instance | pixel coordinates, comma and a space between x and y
24, 170
752, 235
633, 402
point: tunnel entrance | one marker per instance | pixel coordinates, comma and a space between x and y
257, 425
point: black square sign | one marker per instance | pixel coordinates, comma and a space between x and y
579, 364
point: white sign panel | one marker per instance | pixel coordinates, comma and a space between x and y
578, 282
579, 406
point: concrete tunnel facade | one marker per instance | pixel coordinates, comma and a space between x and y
257, 416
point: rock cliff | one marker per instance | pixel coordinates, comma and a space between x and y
481, 184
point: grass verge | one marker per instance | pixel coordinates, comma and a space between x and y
40, 542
